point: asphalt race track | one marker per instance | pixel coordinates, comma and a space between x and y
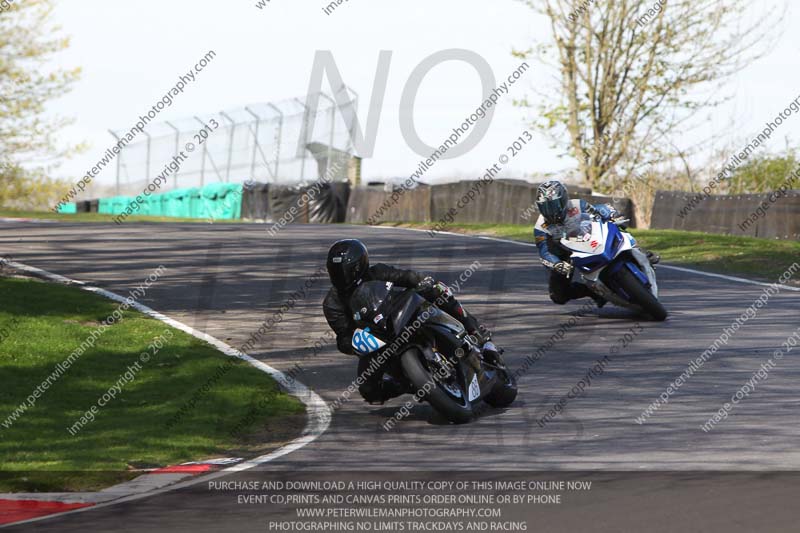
657, 476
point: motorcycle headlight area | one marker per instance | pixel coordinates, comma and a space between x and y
592, 263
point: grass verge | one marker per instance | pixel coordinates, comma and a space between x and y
759, 259
41, 324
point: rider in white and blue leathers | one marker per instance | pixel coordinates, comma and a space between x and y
561, 218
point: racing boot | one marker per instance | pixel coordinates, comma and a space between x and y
492, 354
579, 290
477, 331
653, 257
599, 300
391, 388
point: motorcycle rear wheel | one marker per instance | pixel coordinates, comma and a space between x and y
421, 378
641, 295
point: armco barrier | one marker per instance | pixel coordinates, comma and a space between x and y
498, 202
729, 214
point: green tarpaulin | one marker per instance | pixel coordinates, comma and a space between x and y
215, 201
68, 209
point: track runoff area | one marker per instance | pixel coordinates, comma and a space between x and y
590, 444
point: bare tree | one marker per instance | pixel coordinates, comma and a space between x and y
633, 73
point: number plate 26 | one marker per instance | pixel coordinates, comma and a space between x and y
365, 342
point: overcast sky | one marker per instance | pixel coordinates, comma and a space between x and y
132, 52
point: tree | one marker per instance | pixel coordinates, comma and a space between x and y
27, 42
632, 73
764, 173
22, 189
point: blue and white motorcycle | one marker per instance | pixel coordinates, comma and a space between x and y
613, 267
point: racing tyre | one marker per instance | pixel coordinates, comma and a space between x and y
437, 396
641, 295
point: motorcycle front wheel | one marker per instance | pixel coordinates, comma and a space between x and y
441, 399
641, 295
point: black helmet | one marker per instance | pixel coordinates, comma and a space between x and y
552, 199
348, 261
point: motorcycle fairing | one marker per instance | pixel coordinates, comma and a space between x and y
439, 318
585, 247
365, 343
600, 245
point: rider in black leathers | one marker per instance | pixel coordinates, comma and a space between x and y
348, 266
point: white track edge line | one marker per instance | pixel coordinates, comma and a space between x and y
668, 267
319, 414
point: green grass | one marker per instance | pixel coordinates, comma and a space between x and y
97, 217
761, 259
41, 324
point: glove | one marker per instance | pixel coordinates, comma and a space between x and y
429, 284
606, 212
426, 284
483, 334
563, 268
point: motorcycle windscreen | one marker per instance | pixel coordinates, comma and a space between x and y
442, 319
585, 238
367, 300
405, 309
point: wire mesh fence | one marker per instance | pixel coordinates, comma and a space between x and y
283, 142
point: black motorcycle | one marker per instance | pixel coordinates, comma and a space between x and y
429, 350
